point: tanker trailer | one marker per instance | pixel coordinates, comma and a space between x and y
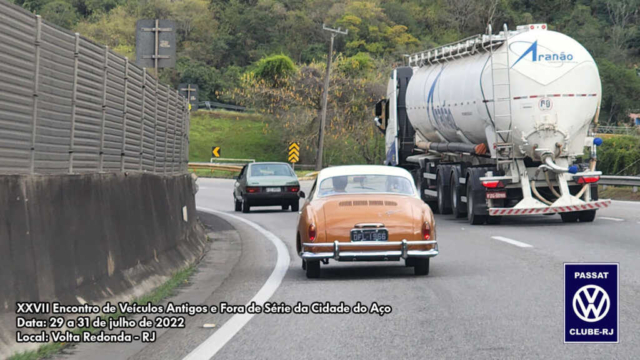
494, 124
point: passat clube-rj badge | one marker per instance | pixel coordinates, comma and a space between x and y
591, 311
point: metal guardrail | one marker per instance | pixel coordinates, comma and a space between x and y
193, 166
228, 161
210, 105
210, 166
618, 130
619, 180
69, 105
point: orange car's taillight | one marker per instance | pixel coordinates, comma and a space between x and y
312, 232
426, 231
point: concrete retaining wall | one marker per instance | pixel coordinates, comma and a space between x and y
75, 238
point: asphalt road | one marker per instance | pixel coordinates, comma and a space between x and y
484, 297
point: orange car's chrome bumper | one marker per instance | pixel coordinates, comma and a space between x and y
403, 252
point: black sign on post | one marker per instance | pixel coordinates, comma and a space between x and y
155, 43
190, 91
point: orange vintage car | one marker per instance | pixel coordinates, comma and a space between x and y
365, 213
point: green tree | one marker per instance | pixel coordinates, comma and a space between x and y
621, 92
60, 13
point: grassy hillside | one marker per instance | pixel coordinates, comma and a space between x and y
239, 135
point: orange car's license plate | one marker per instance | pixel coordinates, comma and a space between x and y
369, 235
496, 194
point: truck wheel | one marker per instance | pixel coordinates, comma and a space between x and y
313, 269
594, 192
238, 204
457, 207
587, 216
444, 196
433, 204
245, 206
421, 185
421, 267
570, 217
295, 206
474, 219
494, 220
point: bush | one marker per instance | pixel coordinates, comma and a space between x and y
356, 65
274, 68
620, 155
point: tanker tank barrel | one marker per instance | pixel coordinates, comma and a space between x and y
481, 118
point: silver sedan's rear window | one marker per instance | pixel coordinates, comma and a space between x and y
365, 184
270, 170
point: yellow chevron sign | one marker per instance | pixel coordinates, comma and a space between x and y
294, 152
215, 151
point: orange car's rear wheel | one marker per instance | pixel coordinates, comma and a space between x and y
421, 266
313, 269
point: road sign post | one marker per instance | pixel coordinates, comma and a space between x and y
294, 153
190, 91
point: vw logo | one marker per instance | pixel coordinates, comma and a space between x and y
598, 310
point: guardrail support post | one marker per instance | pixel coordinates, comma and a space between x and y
74, 99
34, 118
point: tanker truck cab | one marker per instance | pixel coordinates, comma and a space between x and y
496, 125
392, 119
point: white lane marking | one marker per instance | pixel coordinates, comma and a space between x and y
512, 242
610, 218
217, 340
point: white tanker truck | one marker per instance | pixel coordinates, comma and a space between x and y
492, 125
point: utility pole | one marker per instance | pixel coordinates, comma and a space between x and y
323, 116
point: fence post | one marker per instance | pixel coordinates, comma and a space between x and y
124, 113
166, 136
34, 119
180, 159
155, 124
176, 119
187, 121
74, 99
105, 71
144, 85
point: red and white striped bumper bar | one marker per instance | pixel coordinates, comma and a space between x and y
593, 205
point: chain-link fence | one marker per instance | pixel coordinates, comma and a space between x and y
68, 105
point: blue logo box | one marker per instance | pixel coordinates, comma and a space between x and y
591, 302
